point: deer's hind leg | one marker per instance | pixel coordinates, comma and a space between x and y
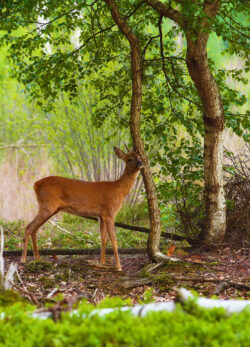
104, 235
31, 229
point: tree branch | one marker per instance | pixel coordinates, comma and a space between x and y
106, 29
233, 27
52, 20
163, 62
166, 11
169, 83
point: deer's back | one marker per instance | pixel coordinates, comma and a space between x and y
78, 197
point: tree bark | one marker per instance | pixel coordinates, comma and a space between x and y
213, 116
154, 215
214, 122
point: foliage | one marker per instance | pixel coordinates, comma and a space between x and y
180, 193
237, 188
13, 233
194, 327
59, 48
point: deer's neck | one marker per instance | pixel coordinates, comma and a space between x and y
126, 181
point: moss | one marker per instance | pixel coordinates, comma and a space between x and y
76, 267
47, 282
164, 280
178, 267
9, 297
63, 276
37, 265
188, 325
213, 263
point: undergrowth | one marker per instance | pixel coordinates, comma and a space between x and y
70, 231
189, 327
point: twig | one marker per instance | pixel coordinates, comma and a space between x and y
53, 291
31, 296
68, 232
94, 296
19, 277
25, 290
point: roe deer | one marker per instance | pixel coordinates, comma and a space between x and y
100, 199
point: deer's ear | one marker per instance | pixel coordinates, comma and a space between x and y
120, 154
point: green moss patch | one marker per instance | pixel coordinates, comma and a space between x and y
38, 265
9, 297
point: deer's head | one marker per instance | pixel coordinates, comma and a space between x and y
132, 159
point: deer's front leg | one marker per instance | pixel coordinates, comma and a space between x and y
110, 225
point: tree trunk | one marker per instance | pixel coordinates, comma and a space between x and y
154, 215
213, 116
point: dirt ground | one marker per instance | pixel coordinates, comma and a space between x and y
224, 273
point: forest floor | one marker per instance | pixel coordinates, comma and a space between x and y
224, 273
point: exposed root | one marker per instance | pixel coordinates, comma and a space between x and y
160, 257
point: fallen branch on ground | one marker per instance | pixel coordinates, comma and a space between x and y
85, 251
131, 282
147, 231
183, 295
214, 280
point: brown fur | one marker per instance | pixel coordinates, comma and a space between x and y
100, 199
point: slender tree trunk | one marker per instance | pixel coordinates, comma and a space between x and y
213, 116
154, 215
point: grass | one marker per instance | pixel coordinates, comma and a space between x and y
78, 232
